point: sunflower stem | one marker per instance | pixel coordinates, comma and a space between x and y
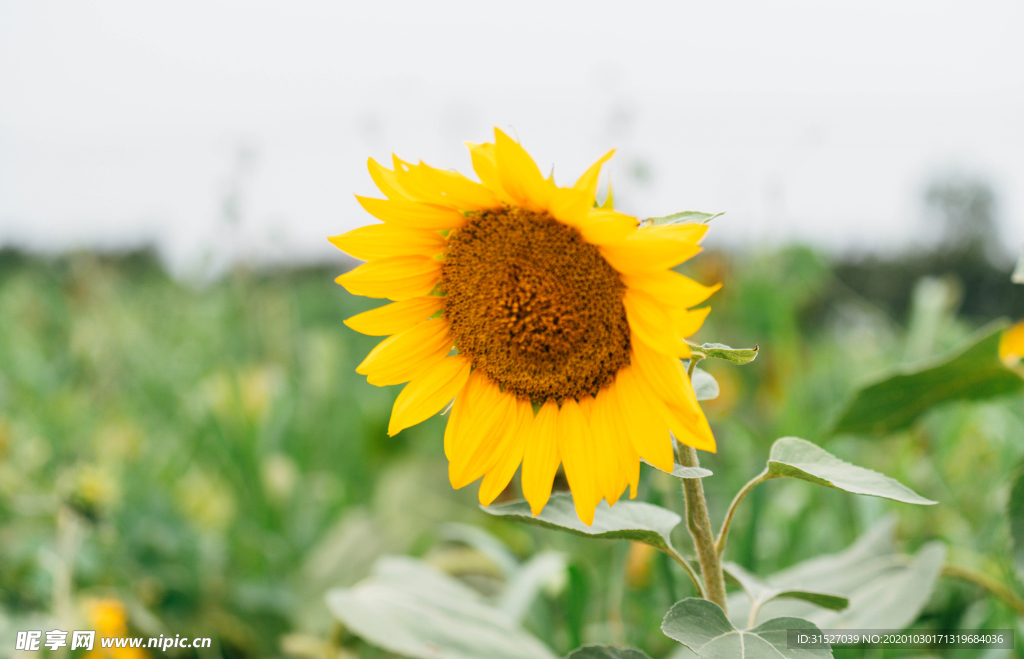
723, 534
699, 524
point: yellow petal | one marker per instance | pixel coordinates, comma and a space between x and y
576, 448
1011, 344
493, 414
626, 455
670, 288
655, 248
605, 227
686, 323
458, 422
395, 317
569, 206
509, 455
520, 175
540, 460
609, 462
609, 201
588, 182
690, 430
666, 376
647, 428
404, 356
412, 214
653, 323
387, 182
485, 164
427, 395
456, 190
378, 241
396, 278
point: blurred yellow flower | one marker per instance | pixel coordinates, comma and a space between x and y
109, 619
567, 322
1011, 344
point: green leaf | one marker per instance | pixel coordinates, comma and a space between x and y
886, 590
483, 542
1015, 510
524, 585
679, 471
626, 520
704, 384
792, 457
972, 372
606, 652
701, 626
720, 351
760, 592
684, 217
411, 609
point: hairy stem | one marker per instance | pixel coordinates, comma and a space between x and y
723, 534
988, 583
699, 524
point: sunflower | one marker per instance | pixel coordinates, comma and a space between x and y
1011, 344
556, 325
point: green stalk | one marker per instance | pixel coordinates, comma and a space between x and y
723, 534
699, 524
988, 583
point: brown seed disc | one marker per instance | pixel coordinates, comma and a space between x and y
534, 305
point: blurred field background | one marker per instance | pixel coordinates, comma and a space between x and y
206, 456
184, 445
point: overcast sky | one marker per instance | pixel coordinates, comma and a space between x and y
241, 129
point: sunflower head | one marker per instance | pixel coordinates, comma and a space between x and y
555, 325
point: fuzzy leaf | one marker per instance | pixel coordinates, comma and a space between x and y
704, 384
626, 520
886, 590
684, 217
701, 626
760, 592
792, 457
411, 609
738, 356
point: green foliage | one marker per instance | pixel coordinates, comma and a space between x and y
760, 593
683, 217
606, 652
704, 384
885, 589
679, 471
414, 610
739, 356
1015, 511
703, 628
224, 467
626, 520
973, 372
792, 457
1018, 273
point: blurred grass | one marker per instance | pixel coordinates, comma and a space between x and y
218, 465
